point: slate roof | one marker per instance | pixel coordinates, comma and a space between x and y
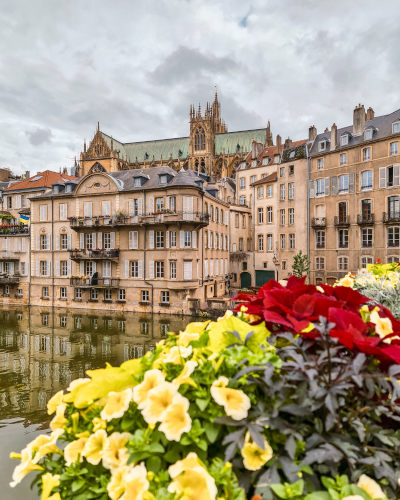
300, 152
166, 147
44, 179
270, 178
383, 129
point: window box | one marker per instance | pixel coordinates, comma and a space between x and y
61, 298
45, 298
121, 301
107, 301
164, 304
144, 303
77, 300
93, 300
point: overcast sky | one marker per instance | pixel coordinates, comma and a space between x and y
136, 66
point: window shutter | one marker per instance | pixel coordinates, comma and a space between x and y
48, 245
312, 189
38, 268
211, 267
226, 266
135, 240
187, 270
100, 240
131, 207
382, 177
206, 268
48, 268
151, 239
94, 267
215, 241
130, 240
351, 182
226, 217
127, 269
167, 202
140, 269
57, 268
94, 240
194, 242
151, 269
112, 240
166, 239
334, 185
396, 175
69, 268
11, 267
37, 242
81, 241
140, 205
15, 201
151, 204
327, 186
23, 245
210, 236
81, 268
57, 242
181, 239
16, 244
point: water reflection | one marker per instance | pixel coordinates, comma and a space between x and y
42, 351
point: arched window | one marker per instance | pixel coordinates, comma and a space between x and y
97, 167
200, 140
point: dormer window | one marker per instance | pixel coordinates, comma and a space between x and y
68, 188
254, 163
137, 182
396, 127
321, 145
163, 179
292, 154
368, 134
56, 189
265, 161
276, 158
344, 140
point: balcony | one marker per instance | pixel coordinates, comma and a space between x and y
14, 229
95, 282
8, 255
392, 217
318, 222
320, 244
94, 254
365, 219
341, 221
343, 244
162, 217
9, 280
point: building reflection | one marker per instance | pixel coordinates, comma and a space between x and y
43, 350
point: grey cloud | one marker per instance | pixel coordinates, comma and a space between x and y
39, 136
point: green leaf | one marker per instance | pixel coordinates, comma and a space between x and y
156, 448
202, 403
334, 494
172, 456
356, 490
318, 495
328, 482
138, 456
202, 444
279, 490
297, 488
77, 485
154, 464
307, 470
202, 342
212, 431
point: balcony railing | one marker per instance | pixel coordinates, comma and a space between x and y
162, 217
94, 254
343, 244
95, 282
393, 243
318, 222
9, 280
366, 244
341, 220
320, 244
391, 217
365, 219
14, 229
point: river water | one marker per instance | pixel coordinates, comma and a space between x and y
42, 350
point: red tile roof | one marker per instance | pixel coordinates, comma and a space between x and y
47, 178
270, 178
271, 151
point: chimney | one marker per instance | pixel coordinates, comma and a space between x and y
312, 133
370, 114
278, 144
27, 174
254, 150
288, 143
358, 120
334, 142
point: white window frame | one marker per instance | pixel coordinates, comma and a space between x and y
343, 159
396, 125
322, 145
320, 164
344, 140
365, 156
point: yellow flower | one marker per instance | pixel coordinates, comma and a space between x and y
253, 456
371, 487
56, 496
117, 404
184, 376
320, 289
194, 484
309, 328
226, 315
353, 497
190, 462
383, 326
77, 383
94, 447
347, 281
176, 354
152, 378
25, 467
115, 453
116, 486
185, 338
99, 423
176, 420
158, 400
73, 451
54, 402
59, 420
235, 402
49, 482
136, 483
43, 445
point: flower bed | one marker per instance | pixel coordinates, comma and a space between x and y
295, 396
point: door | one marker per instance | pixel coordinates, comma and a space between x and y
263, 277
245, 280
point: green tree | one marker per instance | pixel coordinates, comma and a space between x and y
301, 264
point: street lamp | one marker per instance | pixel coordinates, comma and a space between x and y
275, 260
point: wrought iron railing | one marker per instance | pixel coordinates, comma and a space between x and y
320, 244
95, 282
14, 229
317, 222
365, 219
9, 280
94, 254
392, 216
341, 220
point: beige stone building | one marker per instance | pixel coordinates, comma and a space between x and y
146, 240
354, 195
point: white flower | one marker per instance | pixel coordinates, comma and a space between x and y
95, 446
235, 402
176, 420
115, 452
176, 354
152, 378
158, 400
371, 487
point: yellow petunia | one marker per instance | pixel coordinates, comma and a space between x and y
190, 462
99, 423
117, 404
371, 487
235, 402
43, 445
116, 486
25, 467
383, 326
59, 420
136, 483
177, 354
73, 451
158, 400
49, 482
176, 420
185, 338
54, 402
347, 282
115, 452
152, 378
194, 484
184, 376
77, 382
94, 447
253, 456
320, 289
